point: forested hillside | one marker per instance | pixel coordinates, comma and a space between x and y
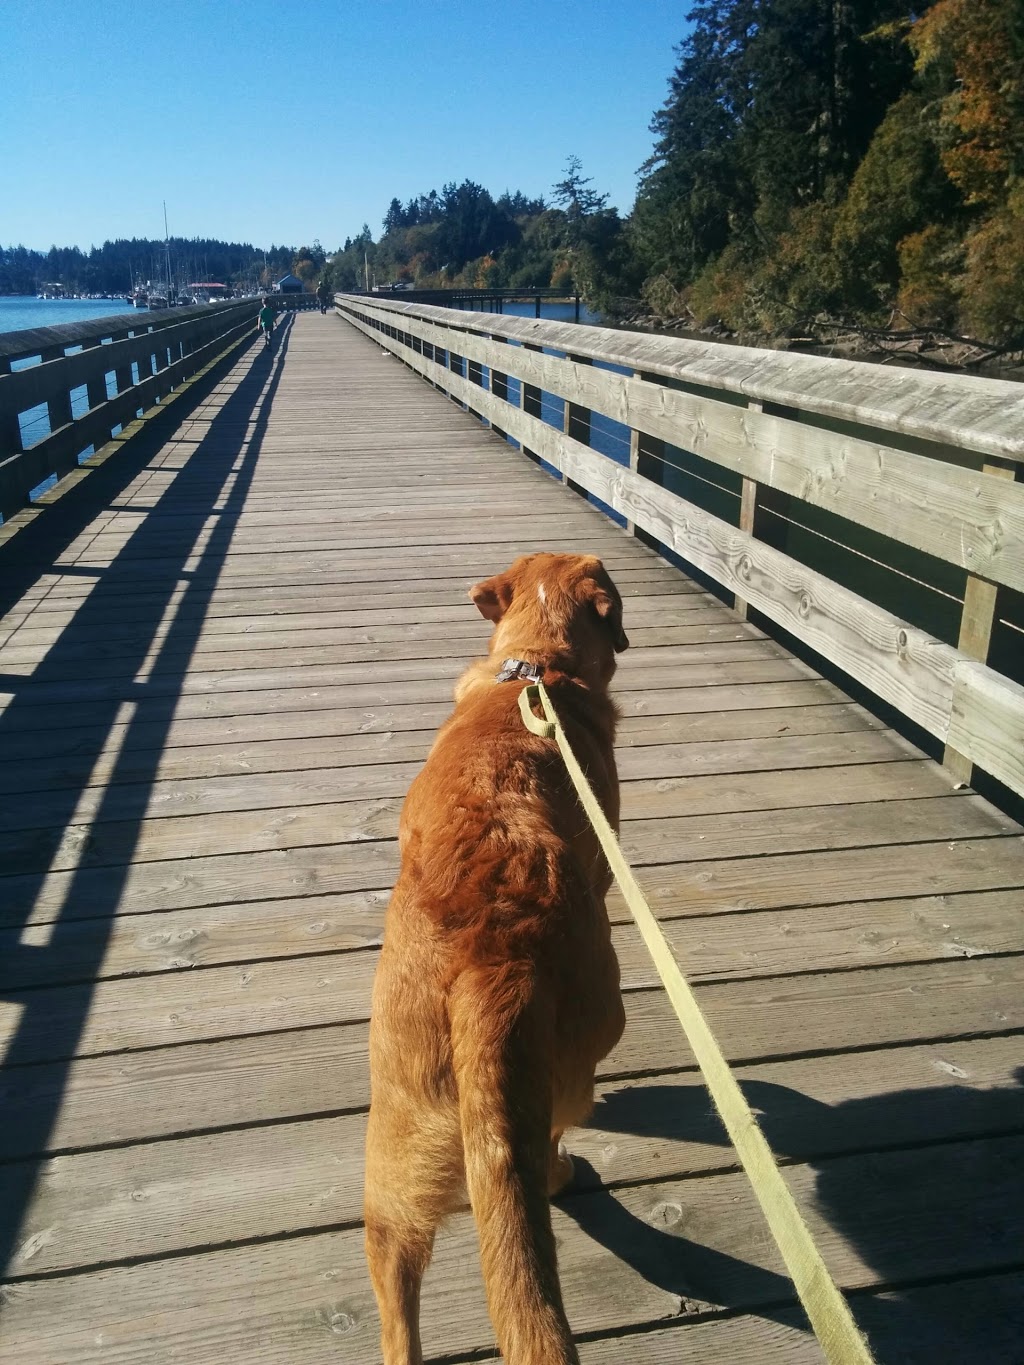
860, 161
464, 236
851, 157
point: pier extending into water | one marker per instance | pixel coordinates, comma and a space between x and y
226, 641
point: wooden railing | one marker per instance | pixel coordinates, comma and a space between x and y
485, 300
812, 466
126, 363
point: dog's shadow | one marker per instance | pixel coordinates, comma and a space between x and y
907, 1186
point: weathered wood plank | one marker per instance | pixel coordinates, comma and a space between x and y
309, 823
681, 610
232, 1186
60, 603
349, 661
331, 739
655, 714
987, 722
807, 938
374, 700
706, 1236
657, 647
730, 884
242, 789
278, 599
132, 1097
754, 1019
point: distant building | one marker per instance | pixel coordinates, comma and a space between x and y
291, 284
207, 291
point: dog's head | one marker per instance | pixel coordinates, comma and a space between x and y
558, 603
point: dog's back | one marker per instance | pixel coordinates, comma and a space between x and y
497, 991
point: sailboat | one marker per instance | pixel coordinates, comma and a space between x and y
160, 293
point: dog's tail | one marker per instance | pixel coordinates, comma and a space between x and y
498, 1043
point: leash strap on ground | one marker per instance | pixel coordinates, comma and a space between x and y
825, 1306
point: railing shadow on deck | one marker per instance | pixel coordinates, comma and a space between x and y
886, 1196
195, 489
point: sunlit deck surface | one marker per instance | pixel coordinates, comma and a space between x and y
222, 659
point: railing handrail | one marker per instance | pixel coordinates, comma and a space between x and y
416, 293
966, 412
933, 500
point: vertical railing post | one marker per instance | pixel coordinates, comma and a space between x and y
748, 511
499, 387
455, 365
10, 427
58, 406
530, 400
123, 377
977, 618
576, 423
445, 363
646, 455
475, 375
145, 361
96, 387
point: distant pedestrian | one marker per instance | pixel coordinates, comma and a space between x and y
266, 321
323, 294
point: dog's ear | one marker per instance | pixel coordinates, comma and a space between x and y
609, 608
493, 596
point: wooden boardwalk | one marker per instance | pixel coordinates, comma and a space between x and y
222, 659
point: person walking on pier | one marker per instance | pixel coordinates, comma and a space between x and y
323, 294
266, 321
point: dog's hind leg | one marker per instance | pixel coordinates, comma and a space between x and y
414, 1177
560, 1167
398, 1255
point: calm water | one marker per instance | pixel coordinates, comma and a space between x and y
550, 312
18, 314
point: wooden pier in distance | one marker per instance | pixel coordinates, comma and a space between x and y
223, 657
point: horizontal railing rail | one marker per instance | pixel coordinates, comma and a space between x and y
924, 465
482, 299
126, 363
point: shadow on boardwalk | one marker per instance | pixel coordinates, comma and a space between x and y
914, 1215
159, 552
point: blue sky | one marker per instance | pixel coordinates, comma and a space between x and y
272, 121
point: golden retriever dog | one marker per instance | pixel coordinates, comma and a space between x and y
497, 992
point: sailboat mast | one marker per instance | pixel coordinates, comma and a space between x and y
167, 250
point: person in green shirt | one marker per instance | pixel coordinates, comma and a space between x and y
266, 320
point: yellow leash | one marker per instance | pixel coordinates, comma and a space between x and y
829, 1313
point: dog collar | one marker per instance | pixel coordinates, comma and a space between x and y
514, 669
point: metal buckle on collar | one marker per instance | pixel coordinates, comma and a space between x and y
514, 669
